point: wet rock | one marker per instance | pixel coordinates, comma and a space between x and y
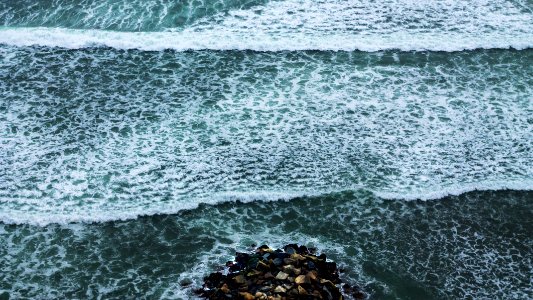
261, 265
277, 261
292, 293
224, 289
312, 275
302, 279
299, 274
253, 273
289, 250
297, 257
239, 279
303, 250
311, 265
289, 269
185, 282
247, 296
282, 275
301, 290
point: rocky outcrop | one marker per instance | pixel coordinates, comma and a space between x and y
292, 273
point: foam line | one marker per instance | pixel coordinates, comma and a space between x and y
434, 193
228, 40
456, 190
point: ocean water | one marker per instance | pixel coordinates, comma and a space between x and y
142, 143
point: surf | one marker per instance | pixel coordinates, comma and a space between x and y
89, 215
227, 40
291, 25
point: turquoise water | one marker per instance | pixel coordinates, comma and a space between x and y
143, 142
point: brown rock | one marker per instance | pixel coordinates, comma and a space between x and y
302, 279
312, 275
297, 256
224, 289
288, 261
262, 266
288, 269
311, 257
253, 273
301, 290
239, 279
293, 293
247, 296
282, 275
329, 284
274, 278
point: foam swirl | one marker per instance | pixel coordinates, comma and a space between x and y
101, 134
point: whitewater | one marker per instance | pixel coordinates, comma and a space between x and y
273, 25
143, 142
269, 125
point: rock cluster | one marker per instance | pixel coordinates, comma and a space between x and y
266, 274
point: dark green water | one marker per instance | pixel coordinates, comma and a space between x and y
474, 246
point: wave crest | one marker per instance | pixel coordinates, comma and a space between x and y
83, 216
191, 40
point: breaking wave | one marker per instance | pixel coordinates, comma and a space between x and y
256, 41
83, 215
271, 25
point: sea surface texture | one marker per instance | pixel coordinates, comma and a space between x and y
142, 143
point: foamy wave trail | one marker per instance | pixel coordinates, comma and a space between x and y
102, 134
91, 215
281, 25
440, 192
217, 40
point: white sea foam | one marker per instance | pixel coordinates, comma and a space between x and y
175, 129
314, 25
436, 192
93, 215
213, 40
